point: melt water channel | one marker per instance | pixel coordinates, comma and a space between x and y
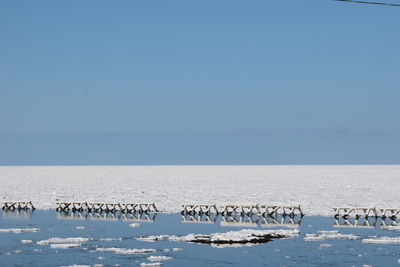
111, 240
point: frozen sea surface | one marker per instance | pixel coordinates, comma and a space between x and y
316, 188
110, 241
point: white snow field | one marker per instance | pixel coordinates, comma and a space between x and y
316, 188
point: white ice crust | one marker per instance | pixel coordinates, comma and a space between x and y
235, 236
18, 230
58, 240
126, 250
324, 235
67, 245
108, 239
316, 188
382, 240
150, 264
245, 235
158, 258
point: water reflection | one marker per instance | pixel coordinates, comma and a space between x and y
245, 220
18, 214
366, 222
107, 215
199, 218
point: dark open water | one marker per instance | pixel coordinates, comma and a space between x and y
283, 252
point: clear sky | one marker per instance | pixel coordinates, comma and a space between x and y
199, 82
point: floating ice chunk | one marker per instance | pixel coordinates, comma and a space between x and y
323, 235
80, 227
134, 225
150, 264
67, 245
328, 232
18, 230
153, 238
76, 265
237, 237
325, 245
177, 249
59, 240
159, 258
382, 240
246, 236
235, 245
126, 251
25, 241
107, 239
392, 227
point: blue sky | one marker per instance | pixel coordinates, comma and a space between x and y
199, 82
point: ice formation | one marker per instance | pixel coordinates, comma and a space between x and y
347, 185
67, 245
246, 236
108, 239
18, 230
126, 250
158, 258
58, 240
150, 264
382, 240
323, 235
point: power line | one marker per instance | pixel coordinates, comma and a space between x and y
367, 2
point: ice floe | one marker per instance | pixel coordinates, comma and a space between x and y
15, 252
25, 241
126, 250
382, 240
324, 235
67, 245
58, 240
18, 230
80, 227
108, 239
150, 264
153, 238
134, 224
392, 227
325, 246
246, 236
158, 258
79, 265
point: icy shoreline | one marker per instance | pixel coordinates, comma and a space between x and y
316, 188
